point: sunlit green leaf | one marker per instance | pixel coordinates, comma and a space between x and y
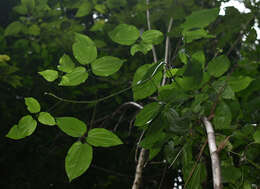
100, 137
200, 19
32, 104
46, 119
49, 75
106, 65
142, 47
66, 64
239, 83
78, 159
25, 127
154, 37
124, 34
71, 126
74, 78
84, 49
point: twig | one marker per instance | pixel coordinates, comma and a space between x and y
195, 165
163, 176
166, 56
215, 164
176, 157
149, 28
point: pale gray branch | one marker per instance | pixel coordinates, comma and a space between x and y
149, 28
215, 163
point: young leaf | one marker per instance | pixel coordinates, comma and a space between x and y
25, 127
71, 126
147, 114
142, 85
84, 9
32, 104
13, 28
100, 137
106, 65
46, 119
218, 66
78, 159
76, 77
200, 19
66, 64
183, 57
154, 37
84, 49
190, 36
239, 83
142, 47
49, 75
223, 116
124, 34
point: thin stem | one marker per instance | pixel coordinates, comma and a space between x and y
166, 56
149, 28
215, 164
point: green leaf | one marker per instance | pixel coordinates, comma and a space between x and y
34, 30
71, 126
116, 3
194, 71
13, 28
257, 136
66, 64
74, 78
239, 83
21, 9
154, 37
190, 36
200, 19
147, 114
143, 86
84, 9
32, 104
142, 47
98, 25
25, 127
78, 159
49, 75
183, 57
199, 57
124, 34
46, 119
100, 137
218, 66
221, 84
84, 49
230, 174
30, 4
106, 66
223, 116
